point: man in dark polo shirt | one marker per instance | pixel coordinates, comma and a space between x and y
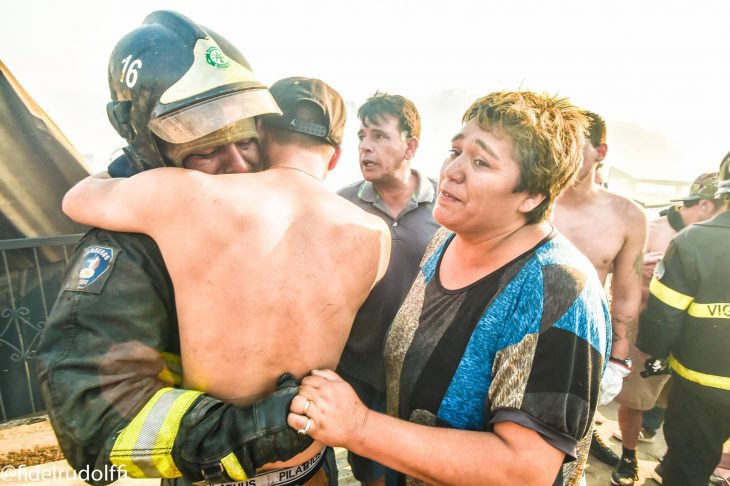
389, 131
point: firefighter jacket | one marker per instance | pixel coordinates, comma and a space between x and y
687, 317
109, 368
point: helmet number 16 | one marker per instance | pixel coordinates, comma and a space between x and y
129, 71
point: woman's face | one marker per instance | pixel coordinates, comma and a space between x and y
477, 182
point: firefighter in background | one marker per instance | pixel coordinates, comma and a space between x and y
108, 360
686, 328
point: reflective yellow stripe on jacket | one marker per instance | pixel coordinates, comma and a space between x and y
144, 447
720, 310
669, 296
233, 467
714, 381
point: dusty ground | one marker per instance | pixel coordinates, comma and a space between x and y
31, 443
28, 442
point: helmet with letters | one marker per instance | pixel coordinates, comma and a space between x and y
723, 178
173, 81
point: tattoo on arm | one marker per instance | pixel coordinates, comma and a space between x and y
639, 263
624, 329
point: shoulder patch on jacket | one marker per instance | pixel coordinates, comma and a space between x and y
92, 270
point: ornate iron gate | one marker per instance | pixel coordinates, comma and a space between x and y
31, 270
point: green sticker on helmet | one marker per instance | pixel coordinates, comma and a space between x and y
216, 58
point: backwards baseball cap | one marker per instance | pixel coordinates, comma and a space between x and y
289, 92
704, 187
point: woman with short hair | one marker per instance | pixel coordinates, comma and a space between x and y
495, 357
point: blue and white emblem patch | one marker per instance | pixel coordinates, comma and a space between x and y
96, 261
92, 269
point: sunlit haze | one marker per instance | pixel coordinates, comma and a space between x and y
657, 71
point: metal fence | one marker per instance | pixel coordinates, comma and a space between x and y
31, 270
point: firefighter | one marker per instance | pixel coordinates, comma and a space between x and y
108, 360
686, 328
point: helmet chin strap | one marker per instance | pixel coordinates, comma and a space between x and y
119, 116
145, 161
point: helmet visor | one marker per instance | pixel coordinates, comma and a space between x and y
199, 120
236, 132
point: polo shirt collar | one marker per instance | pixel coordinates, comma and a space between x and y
424, 192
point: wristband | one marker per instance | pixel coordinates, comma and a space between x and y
623, 362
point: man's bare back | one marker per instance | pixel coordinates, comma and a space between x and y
269, 269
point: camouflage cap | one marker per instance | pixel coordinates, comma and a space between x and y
704, 187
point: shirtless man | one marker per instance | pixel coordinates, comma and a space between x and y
641, 394
272, 283
611, 231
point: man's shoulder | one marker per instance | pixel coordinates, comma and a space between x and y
423, 177
629, 217
372, 221
621, 204
434, 184
348, 213
350, 191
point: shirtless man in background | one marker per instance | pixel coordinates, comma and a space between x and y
272, 266
611, 231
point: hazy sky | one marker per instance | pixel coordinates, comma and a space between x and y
658, 71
